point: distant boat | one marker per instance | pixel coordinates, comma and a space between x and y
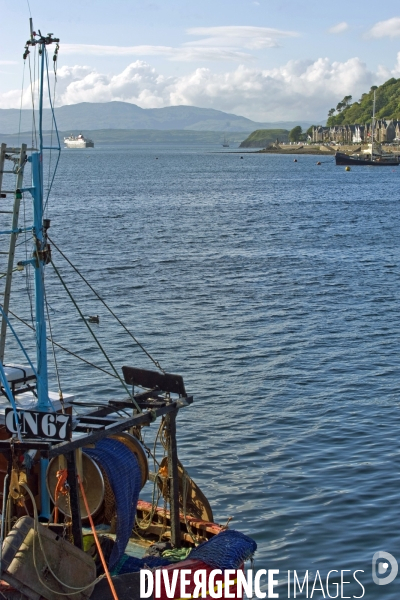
225, 143
367, 159
78, 141
371, 156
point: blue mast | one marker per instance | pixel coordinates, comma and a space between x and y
40, 257
41, 251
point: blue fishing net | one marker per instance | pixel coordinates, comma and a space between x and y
123, 472
131, 564
227, 550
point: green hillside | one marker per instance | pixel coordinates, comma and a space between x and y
387, 106
263, 137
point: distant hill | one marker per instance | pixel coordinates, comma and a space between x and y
102, 137
124, 115
387, 106
261, 138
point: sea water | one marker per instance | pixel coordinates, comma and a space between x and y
273, 288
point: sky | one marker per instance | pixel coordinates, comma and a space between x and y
268, 60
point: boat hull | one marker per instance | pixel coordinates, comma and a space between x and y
78, 144
345, 160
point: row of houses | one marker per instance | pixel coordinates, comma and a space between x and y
384, 131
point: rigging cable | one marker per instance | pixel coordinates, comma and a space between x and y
94, 337
34, 136
155, 362
28, 269
60, 394
53, 121
66, 349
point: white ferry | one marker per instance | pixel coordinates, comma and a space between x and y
78, 141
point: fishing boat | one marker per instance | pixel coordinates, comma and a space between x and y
372, 156
78, 141
71, 472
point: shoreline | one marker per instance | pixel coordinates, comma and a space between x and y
300, 150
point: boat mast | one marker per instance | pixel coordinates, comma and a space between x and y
373, 127
41, 250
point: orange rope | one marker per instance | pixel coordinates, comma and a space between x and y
60, 489
114, 593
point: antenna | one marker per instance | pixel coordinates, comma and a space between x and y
31, 26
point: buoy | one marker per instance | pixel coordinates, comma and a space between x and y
318, 163
347, 169
241, 157
295, 160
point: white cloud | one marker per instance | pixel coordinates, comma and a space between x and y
339, 28
184, 54
389, 28
384, 73
217, 44
296, 90
243, 36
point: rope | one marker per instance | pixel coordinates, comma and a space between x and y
94, 337
53, 123
33, 97
17, 339
165, 441
60, 394
100, 551
156, 363
62, 477
5, 274
145, 523
37, 531
28, 268
65, 349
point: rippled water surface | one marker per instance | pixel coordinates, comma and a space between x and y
273, 288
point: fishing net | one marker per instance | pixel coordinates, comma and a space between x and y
227, 550
131, 564
124, 474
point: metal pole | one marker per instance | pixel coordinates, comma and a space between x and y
42, 384
173, 480
74, 500
2, 159
44, 403
42, 50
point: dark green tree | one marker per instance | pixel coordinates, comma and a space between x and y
387, 105
295, 134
